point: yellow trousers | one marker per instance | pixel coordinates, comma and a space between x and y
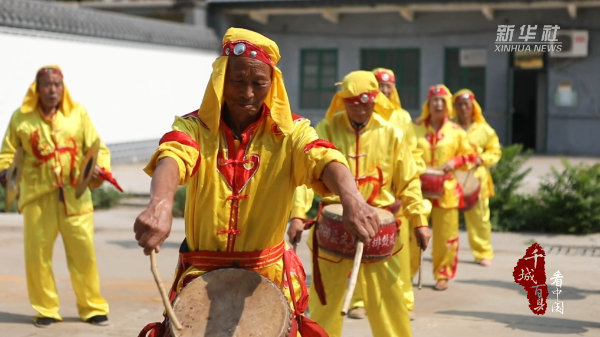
44, 219
382, 293
405, 272
479, 229
445, 244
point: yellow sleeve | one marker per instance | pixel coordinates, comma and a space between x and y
411, 140
465, 155
407, 186
90, 134
180, 144
302, 202
491, 151
10, 144
311, 155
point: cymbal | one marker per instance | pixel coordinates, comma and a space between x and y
13, 178
86, 170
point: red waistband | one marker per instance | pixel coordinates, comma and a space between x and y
208, 260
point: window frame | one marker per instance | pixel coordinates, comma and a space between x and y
464, 82
319, 72
398, 72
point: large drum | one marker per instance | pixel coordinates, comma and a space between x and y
471, 188
232, 303
336, 240
432, 183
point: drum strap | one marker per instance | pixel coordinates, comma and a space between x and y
317, 280
302, 324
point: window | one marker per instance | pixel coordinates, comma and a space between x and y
406, 65
457, 77
318, 71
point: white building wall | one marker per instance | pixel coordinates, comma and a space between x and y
132, 91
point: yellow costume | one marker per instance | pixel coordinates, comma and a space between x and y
400, 119
487, 145
239, 192
53, 150
448, 143
385, 170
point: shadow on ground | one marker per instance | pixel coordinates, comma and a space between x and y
568, 293
131, 244
530, 323
7, 317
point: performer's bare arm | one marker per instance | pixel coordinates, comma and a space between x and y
153, 226
359, 218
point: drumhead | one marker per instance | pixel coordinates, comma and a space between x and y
335, 211
232, 303
434, 171
468, 181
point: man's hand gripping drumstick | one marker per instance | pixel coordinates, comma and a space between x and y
153, 226
422, 234
359, 218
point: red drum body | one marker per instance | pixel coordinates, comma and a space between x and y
432, 183
336, 240
471, 188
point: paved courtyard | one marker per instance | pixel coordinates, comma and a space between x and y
480, 301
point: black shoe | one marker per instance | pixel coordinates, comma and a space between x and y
44, 322
99, 320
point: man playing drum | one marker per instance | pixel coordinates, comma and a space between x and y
55, 132
242, 154
402, 120
484, 139
384, 170
445, 149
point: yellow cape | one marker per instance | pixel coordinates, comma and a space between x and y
277, 99
477, 112
31, 100
447, 100
395, 98
354, 84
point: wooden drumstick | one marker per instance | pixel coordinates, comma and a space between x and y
353, 277
420, 264
163, 293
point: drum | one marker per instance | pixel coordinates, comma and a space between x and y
471, 188
432, 183
232, 302
336, 240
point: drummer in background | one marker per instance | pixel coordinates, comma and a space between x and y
385, 170
403, 121
242, 155
445, 146
55, 132
487, 145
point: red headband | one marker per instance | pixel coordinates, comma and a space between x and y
364, 98
48, 71
384, 76
437, 91
246, 49
465, 96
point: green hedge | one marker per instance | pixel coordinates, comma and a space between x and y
103, 198
179, 202
2, 196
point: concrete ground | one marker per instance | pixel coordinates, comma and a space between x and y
480, 301
134, 180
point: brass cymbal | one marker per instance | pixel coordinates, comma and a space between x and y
13, 178
86, 170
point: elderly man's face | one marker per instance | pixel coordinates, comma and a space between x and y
437, 108
464, 106
247, 84
386, 88
359, 113
50, 89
